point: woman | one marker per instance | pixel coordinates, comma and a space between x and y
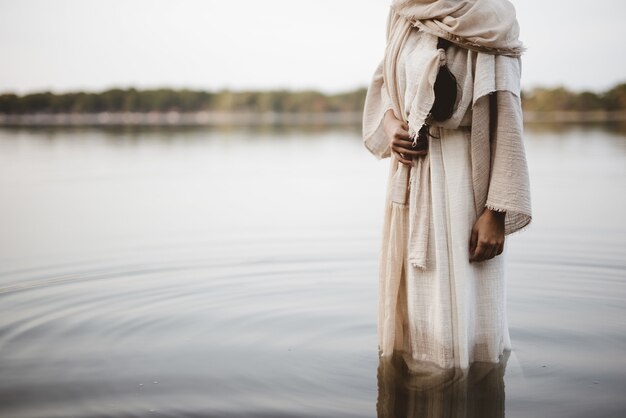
457, 185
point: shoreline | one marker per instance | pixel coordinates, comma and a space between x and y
181, 119
258, 119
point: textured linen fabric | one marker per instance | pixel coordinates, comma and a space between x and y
454, 311
431, 305
483, 25
488, 89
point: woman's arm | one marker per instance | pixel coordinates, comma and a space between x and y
509, 184
397, 132
507, 208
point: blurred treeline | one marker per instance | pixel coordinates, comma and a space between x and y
546, 100
165, 100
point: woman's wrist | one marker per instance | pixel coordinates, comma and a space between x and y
497, 214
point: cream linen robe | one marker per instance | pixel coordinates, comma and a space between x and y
452, 312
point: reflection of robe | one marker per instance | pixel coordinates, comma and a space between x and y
488, 110
477, 392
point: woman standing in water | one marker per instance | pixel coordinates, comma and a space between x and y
444, 106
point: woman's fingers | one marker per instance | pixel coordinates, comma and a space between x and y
402, 145
485, 251
473, 242
404, 156
487, 237
403, 141
409, 153
497, 249
406, 148
402, 159
480, 253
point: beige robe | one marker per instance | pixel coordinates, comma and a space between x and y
488, 104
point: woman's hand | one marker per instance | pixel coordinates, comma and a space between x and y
399, 140
487, 239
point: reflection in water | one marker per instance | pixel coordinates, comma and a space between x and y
477, 392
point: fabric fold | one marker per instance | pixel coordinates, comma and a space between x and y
481, 25
488, 100
377, 102
419, 213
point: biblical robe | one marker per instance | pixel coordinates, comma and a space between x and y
435, 307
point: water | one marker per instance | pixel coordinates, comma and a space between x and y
231, 273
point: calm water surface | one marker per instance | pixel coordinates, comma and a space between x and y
232, 273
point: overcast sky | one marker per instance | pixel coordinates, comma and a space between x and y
332, 45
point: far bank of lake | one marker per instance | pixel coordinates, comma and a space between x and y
206, 118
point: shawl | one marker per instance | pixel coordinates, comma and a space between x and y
480, 25
488, 69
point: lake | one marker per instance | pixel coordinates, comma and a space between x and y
232, 272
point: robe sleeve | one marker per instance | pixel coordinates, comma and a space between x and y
377, 102
509, 185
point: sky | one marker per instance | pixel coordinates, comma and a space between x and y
329, 45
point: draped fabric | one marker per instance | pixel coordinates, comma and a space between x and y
481, 25
452, 312
488, 107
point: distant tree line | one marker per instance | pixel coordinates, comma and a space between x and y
545, 100
164, 100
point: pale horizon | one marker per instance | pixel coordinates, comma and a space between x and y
73, 45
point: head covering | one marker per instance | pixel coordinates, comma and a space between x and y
488, 26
